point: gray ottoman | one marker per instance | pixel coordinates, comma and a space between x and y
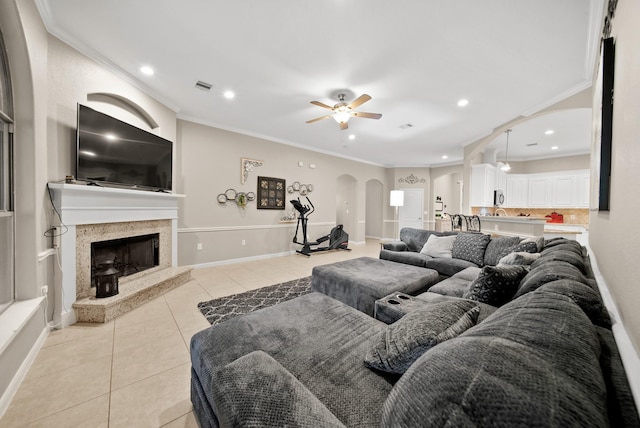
360, 282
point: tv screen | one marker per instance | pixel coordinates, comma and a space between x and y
112, 152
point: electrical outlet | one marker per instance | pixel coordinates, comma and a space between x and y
199, 246
244, 242
44, 290
573, 216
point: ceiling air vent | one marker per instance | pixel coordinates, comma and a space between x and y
406, 126
203, 85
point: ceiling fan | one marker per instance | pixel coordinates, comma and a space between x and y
343, 111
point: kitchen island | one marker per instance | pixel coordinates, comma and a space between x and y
513, 225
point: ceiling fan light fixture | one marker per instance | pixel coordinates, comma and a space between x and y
341, 116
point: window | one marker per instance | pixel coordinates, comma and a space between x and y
7, 253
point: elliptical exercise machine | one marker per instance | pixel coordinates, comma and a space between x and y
338, 238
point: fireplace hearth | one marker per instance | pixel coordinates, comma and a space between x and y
127, 256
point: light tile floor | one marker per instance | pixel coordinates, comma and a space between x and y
135, 370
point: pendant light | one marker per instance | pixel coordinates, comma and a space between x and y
506, 166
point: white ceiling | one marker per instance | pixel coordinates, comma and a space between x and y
416, 58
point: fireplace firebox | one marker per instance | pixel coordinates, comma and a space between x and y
126, 255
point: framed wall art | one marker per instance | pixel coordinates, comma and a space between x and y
271, 193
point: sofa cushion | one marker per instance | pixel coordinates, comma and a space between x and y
496, 285
438, 246
562, 255
406, 257
447, 267
588, 299
485, 310
521, 258
470, 247
568, 243
496, 246
255, 390
457, 284
416, 238
550, 271
395, 349
534, 362
319, 340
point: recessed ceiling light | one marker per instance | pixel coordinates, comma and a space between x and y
549, 132
463, 102
147, 70
229, 95
445, 157
352, 137
554, 148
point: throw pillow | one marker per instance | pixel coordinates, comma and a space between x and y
497, 246
529, 247
496, 285
438, 246
521, 258
470, 247
404, 341
539, 240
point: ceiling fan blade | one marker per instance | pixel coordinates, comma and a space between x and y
344, 125
319, 104
359, 101
317, 119
366, 115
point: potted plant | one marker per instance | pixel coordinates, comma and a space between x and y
242, 200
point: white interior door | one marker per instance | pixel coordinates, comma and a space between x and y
412, 212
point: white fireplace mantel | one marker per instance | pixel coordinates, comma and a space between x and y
83, 205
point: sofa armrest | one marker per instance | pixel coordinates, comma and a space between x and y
394, 246
255, 390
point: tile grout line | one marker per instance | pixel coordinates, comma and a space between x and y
113, 351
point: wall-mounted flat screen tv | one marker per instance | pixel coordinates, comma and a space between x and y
112, 152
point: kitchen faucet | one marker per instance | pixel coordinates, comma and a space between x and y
503, 212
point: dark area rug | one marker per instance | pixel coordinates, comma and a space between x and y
224, 308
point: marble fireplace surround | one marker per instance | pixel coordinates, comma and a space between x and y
86, 234
90, 213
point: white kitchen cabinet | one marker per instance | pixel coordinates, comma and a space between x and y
483, 183
583, 182
564, 191
539, 191
501, 179
517, 191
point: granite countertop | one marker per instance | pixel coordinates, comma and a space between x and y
512, 218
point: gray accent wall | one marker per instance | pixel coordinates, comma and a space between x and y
209, 163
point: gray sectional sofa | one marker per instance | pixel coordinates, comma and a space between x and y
470, 249
546, 357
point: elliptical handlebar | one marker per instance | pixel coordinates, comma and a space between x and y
304, 210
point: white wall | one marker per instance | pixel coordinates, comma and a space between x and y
614, 235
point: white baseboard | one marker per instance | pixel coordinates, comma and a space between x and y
63, 320
628, 353
12, 389
241, 260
